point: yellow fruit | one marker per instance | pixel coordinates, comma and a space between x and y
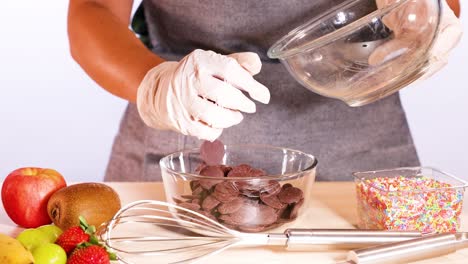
13, 252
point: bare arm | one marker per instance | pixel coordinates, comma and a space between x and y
104, 46
455, 5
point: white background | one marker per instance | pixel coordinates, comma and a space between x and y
53, 115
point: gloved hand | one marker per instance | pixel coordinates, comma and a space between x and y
201, 94
407, 33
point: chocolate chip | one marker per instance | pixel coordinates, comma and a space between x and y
231, 206
272, 201
290, 195
209, 203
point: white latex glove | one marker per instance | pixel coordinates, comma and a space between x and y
450, 32
202, 94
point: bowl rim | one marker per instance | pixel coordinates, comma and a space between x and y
286, 176
276, 50
462, 184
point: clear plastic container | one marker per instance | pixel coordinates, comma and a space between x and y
249, 204
419, 199
358, 52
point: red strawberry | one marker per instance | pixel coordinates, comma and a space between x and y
92, 254
73, 236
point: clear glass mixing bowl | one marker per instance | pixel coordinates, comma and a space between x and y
362, 50
246, 203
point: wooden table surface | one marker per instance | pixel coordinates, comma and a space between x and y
333, 205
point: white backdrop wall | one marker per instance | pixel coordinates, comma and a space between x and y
53, 115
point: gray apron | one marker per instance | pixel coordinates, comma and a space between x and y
344, 139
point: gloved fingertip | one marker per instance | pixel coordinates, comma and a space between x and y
250, 61
263, 96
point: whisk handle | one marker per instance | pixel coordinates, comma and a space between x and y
343, 238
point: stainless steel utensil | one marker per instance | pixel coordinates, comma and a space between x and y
179, 235
411, 250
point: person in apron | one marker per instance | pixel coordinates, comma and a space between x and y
179, 34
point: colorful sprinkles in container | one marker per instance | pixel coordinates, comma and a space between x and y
409, 203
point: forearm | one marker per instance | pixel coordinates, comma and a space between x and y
107, 50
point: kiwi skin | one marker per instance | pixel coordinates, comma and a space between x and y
96, 202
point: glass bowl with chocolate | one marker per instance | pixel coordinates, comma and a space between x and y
249, 188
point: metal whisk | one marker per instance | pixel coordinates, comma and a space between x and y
144, 230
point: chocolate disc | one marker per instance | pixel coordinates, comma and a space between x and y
198, 191
252, 228
225, 169
194, 185
231, 206
207, 214
211, 171
295, 209
226, 187
245, 215
256, 172
190, 206
272, 201
290, 195
209, 203
238, 174
242, 167
228, 220
272, 188
212, 153
265, 216
224, 197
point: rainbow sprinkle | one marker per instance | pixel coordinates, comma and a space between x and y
415, 203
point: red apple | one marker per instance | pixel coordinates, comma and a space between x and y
25, 193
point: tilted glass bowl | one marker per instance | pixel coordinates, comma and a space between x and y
362, 50
249, 204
